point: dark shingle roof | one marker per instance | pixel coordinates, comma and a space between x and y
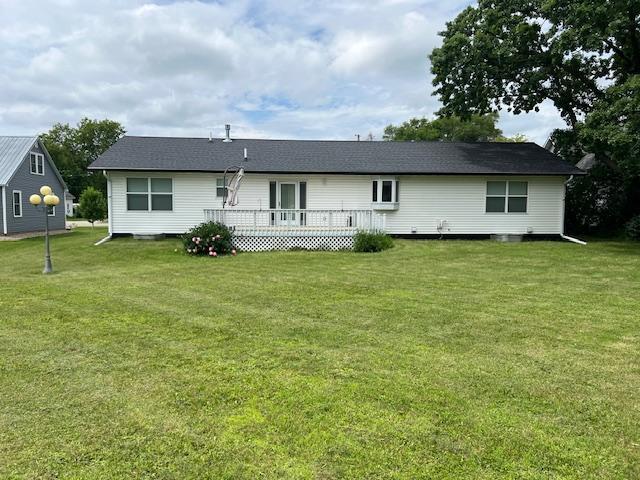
321, 156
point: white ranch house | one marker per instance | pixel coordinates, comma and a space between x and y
317, 194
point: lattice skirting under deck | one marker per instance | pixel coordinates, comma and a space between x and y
261, 244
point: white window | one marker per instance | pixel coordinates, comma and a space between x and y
507, 197
17, 203
220, 187
147, 194
36, 161
385, 191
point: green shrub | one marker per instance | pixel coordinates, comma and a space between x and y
633, 228
210, 239
371, 242
92, 205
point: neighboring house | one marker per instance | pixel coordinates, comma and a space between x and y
25, 166
587, 162
69, 206
300, 188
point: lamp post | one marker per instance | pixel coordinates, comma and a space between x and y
50, 200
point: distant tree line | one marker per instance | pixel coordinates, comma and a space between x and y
474, 128
73, 149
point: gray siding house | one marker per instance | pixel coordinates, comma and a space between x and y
25, 166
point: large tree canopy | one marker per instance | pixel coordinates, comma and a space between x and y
515, 54
610, 195
476, 128
74, 148
582, 55
612, 128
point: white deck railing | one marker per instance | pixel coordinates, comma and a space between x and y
285, 223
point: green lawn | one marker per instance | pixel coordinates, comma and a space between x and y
452, 359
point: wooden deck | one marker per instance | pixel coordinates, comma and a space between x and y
296, 223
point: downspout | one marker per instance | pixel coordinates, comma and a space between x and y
4, 210
109, 202
109, 216
564, 200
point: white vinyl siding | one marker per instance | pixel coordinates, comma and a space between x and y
425, 201
461, 202
192, 192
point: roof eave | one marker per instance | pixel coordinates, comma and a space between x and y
329, 172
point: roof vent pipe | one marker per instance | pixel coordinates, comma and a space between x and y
210, 136
245, 154
227, 139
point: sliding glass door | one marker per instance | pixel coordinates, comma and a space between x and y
288, 202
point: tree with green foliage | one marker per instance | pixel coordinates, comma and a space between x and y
92, 205
476, 128
610, 195
584, 57
612, 129
74, 148
517, 138
519, 53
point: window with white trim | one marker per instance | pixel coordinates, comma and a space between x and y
51, 210
220, 187
507, 197
17, 203
149, 194
385, 191
36, 162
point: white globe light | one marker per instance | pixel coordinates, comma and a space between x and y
50, 200
45, 190
35, 199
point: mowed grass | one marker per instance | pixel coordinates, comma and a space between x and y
436, 359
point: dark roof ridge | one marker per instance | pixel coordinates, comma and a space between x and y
330, 140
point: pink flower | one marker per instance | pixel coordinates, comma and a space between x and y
217, 236
215, 254
211, 249
193, 239
233, 252
212, 254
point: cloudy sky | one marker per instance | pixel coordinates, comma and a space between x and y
274, 69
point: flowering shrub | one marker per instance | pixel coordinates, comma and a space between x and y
211, 238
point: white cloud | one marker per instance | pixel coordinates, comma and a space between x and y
288, 69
